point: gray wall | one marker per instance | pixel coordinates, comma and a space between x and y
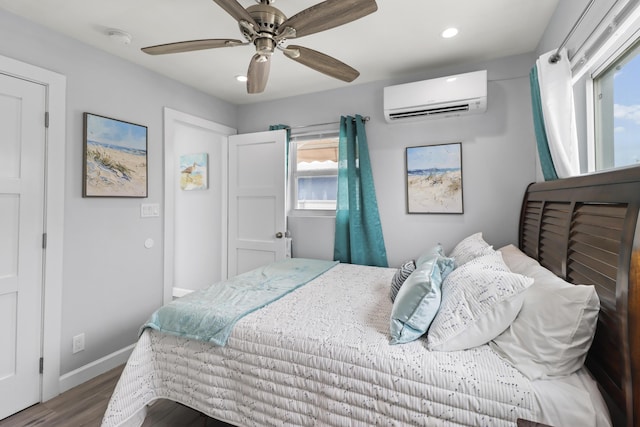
498, 150
111, 283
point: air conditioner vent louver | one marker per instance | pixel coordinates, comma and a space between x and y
430, 111
450, 96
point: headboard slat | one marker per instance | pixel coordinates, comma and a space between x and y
591, 252
616, 211
587, 229
597, 242
591, 266
605, 284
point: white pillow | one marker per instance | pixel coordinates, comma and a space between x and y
516, 260
479, 301
469, 248
555, 327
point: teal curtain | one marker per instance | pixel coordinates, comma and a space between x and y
554, 116
546, 162
358, 236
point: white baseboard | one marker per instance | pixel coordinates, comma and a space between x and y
95, 368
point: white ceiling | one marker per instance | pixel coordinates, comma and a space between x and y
401, 38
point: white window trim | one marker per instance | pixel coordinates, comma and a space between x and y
625, 34
591, 125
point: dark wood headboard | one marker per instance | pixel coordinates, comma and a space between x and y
585, 229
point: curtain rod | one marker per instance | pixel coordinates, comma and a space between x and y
556, 56
366, 119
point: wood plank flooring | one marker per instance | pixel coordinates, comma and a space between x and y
84, 405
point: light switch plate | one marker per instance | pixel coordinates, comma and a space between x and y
149, 210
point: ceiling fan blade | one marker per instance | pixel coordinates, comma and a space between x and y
321, 62
235, 9
258, 73
191, 45
326, 15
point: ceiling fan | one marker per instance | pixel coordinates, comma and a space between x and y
267, 28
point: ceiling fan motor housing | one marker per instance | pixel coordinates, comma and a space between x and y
269, 20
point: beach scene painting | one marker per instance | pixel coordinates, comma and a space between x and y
434, 179
193, 171
115, 158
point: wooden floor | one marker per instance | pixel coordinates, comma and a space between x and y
85, 404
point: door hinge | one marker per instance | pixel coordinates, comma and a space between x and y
46, 119
42, 365
44, 240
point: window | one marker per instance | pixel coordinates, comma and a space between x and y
314, 171
617, 112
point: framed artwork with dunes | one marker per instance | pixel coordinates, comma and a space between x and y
115, 158
434, 179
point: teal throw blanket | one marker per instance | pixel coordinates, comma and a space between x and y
210, 314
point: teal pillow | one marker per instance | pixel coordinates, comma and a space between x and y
419, 298
409, 267
428, 255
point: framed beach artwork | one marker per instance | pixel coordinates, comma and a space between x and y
434, 179
194, 171
115, 158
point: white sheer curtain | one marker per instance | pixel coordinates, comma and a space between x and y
557, 114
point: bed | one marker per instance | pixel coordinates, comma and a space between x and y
321, 354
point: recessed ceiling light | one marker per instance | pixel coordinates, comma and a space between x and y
241, 78
119, 36
449, 32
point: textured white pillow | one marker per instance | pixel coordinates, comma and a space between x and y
479, 301
469, 248
555, 327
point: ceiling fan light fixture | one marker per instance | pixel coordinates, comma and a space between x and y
449, 32
119, 36
241, 78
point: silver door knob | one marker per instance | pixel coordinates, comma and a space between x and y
279, 235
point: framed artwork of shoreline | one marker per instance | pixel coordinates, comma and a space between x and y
434, 179
115, 158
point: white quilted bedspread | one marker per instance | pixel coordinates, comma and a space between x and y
321, 356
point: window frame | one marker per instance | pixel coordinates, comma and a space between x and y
328, 131
588, 63
604, 121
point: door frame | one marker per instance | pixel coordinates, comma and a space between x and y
55, 85
171, 117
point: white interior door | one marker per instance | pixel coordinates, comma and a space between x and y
22, 157
257, 188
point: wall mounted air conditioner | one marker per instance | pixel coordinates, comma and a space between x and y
450, 96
